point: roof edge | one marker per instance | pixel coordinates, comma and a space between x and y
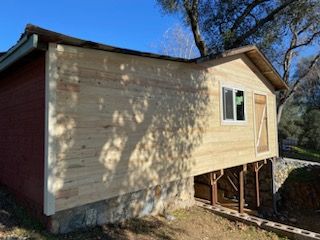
55, 37
21, 49
248, 50
34, 36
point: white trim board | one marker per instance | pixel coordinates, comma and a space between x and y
50, 141
232, 87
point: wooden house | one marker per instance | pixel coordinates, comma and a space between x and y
98, 133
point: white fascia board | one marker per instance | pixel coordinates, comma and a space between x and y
21, 49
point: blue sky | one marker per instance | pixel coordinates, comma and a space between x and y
133, 24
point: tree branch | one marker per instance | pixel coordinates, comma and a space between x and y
296, 84
302, 30
245, 13
192, 13
308, 41
288, 54
239, 40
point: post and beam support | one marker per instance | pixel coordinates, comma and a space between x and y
243, 170
214, 177
257, 167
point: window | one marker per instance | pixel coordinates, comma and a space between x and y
233, 104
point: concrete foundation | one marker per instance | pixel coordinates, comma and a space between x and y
151, 201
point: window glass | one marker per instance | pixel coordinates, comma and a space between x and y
228, 104
240, 105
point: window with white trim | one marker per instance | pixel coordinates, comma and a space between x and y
233, 104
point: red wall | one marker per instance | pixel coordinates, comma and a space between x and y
22, 117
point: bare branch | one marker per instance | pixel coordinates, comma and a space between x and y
308, 41
245, 13
305, 28
305, 74
239, 40
288, 55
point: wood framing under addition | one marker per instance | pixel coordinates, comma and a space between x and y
214, 177
257, 167
50, 144
242, 172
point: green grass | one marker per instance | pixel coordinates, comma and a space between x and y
303, 154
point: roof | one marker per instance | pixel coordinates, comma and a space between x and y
257, 58
35, 37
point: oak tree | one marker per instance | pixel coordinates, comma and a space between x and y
282, 29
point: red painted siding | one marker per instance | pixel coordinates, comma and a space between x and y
22, 117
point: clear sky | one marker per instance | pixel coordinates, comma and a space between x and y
133, 24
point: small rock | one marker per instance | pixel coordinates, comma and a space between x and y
240, 226
285, 213
282, 218
122, 224
292, 220
169, 217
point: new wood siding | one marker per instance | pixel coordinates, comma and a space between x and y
125, 123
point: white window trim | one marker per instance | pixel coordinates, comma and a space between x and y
232, 121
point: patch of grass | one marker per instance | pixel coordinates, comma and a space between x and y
303, 154
307, 152
180, 214
189, 224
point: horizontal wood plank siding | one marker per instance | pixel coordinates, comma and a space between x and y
124, 123
22, 110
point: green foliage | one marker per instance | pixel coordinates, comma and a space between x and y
301, 117
226, 24
170, 6
291, 121
310, 137
283, 29
308, 91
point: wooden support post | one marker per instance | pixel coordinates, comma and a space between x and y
216, 192
257, 188
257, 167
241, 188
212, 189
214, 186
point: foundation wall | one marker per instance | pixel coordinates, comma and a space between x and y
155, 200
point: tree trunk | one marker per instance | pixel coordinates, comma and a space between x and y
279, 111
192, 12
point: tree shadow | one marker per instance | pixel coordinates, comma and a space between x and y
125, 123
301, 189
299, 198
12, 215
17, 223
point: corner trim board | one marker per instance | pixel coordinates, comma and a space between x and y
50, 141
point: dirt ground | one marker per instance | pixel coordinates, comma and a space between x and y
193, 223
307, 219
